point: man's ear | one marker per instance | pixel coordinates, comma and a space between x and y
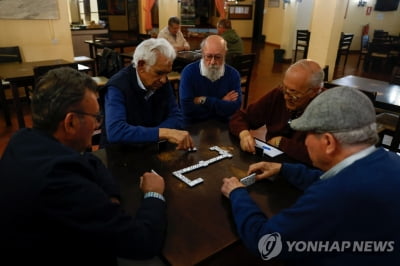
141, 66
70, 123
331, 144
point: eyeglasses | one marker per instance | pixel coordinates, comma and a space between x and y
217, 57
295, 95
98, 117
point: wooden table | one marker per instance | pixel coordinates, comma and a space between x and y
21, 74
388, 96
200, 224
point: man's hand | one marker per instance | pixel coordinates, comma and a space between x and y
230, 184
231, 96
264, 169
247, 142
151, 182
275, 141
180, 137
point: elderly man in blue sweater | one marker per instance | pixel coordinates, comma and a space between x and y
139, 103
349, 212
209, 88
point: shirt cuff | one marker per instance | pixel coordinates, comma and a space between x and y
154, 195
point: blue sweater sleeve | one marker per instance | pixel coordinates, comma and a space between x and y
300, 175
118, 129
305, 220
193, 84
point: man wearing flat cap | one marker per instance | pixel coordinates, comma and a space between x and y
349, 212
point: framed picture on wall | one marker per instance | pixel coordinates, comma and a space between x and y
240, 12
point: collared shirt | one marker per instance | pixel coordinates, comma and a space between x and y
140, 83
175, 40
348, 161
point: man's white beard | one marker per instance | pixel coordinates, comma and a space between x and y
213, 73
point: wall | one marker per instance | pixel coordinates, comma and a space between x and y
40, 39
356, 18
353, 22
272, 24
244, 27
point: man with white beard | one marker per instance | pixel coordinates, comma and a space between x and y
209, 88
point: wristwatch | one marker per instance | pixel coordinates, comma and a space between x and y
203, 100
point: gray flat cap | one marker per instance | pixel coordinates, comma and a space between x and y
338, 109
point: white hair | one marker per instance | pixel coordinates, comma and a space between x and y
149, 49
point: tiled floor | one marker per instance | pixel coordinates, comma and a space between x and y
266, 75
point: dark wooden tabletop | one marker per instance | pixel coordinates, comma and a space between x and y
200, 223
387, 98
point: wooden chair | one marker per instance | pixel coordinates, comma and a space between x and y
364, 49
8, 55
378, 54
109, 62
244, 64
395, 77
302, 42
344, 47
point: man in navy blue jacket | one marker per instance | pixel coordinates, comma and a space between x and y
59, 205
349, 212
139, 103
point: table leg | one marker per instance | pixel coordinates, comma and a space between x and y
17, 105
4, 106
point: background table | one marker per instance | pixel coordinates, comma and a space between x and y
200, 223
387, 98
19, 75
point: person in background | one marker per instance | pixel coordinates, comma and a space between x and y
139, 103
209, 88
356, 189
172, 33
233, 41
302, 82
60, 205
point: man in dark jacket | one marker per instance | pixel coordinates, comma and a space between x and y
59, 205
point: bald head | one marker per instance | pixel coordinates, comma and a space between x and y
310, 70
214, 43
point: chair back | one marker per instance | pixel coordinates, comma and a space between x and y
395, 77
244, 64
110, 62
39, 71
302, 41
10, 54
303, 37
345, 43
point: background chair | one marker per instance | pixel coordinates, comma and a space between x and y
395, 77
8, 55
109, 62
379, 55
344, 47
302, 42
364, 49
244, 64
